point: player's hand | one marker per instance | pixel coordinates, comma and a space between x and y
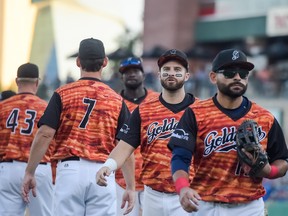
128, 197
29, 183
101, 174
246, 168
189, 199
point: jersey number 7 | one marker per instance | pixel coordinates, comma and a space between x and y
91, 104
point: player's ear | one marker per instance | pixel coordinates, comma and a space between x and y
144, 76
159, 74
213, 77
78, 62
187, 75
37, 83
105, 62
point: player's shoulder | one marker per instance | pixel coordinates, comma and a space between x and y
41, 102
200, 103
104, 91
64, 88
150, 100
152, 93
151, 96
97, 87
14, 100
259, 110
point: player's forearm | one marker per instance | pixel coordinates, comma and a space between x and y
181, 180
121, 153
128, 170
278, 169
180, 174
39, 147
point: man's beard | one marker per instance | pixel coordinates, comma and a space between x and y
172, 87
226, 90
133, 86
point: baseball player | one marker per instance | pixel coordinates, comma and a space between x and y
83, 117
149, 128
134, 93
207, 131
19, 116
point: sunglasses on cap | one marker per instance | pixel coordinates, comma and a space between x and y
130, 61
231, 73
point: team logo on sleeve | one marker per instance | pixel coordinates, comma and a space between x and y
157, 130
180, 134
214, 142
125, 129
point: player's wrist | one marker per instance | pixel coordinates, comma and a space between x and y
273, 172
111, 164
180, 183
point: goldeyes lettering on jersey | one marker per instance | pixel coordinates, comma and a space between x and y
219, 143
161, 131
225, 142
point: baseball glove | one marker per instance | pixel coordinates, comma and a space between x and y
247, 138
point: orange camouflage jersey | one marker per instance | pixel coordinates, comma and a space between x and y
150, 126
19, 116
138, 158
86, 115
218, 173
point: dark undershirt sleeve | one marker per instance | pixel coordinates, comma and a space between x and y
123, 117
131, 131
185, 133
181, 159
276, 147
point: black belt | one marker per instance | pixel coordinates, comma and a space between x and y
73, 158
11, 161
6, 160
165, 192
229, 205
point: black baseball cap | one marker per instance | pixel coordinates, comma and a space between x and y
28, 71
176, 55
231, 57
91, 48
131, 62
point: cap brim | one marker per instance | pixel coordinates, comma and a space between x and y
122, 69
245, 65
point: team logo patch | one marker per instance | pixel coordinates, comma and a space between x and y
125, 129
235, 55
180, 134
173, 52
